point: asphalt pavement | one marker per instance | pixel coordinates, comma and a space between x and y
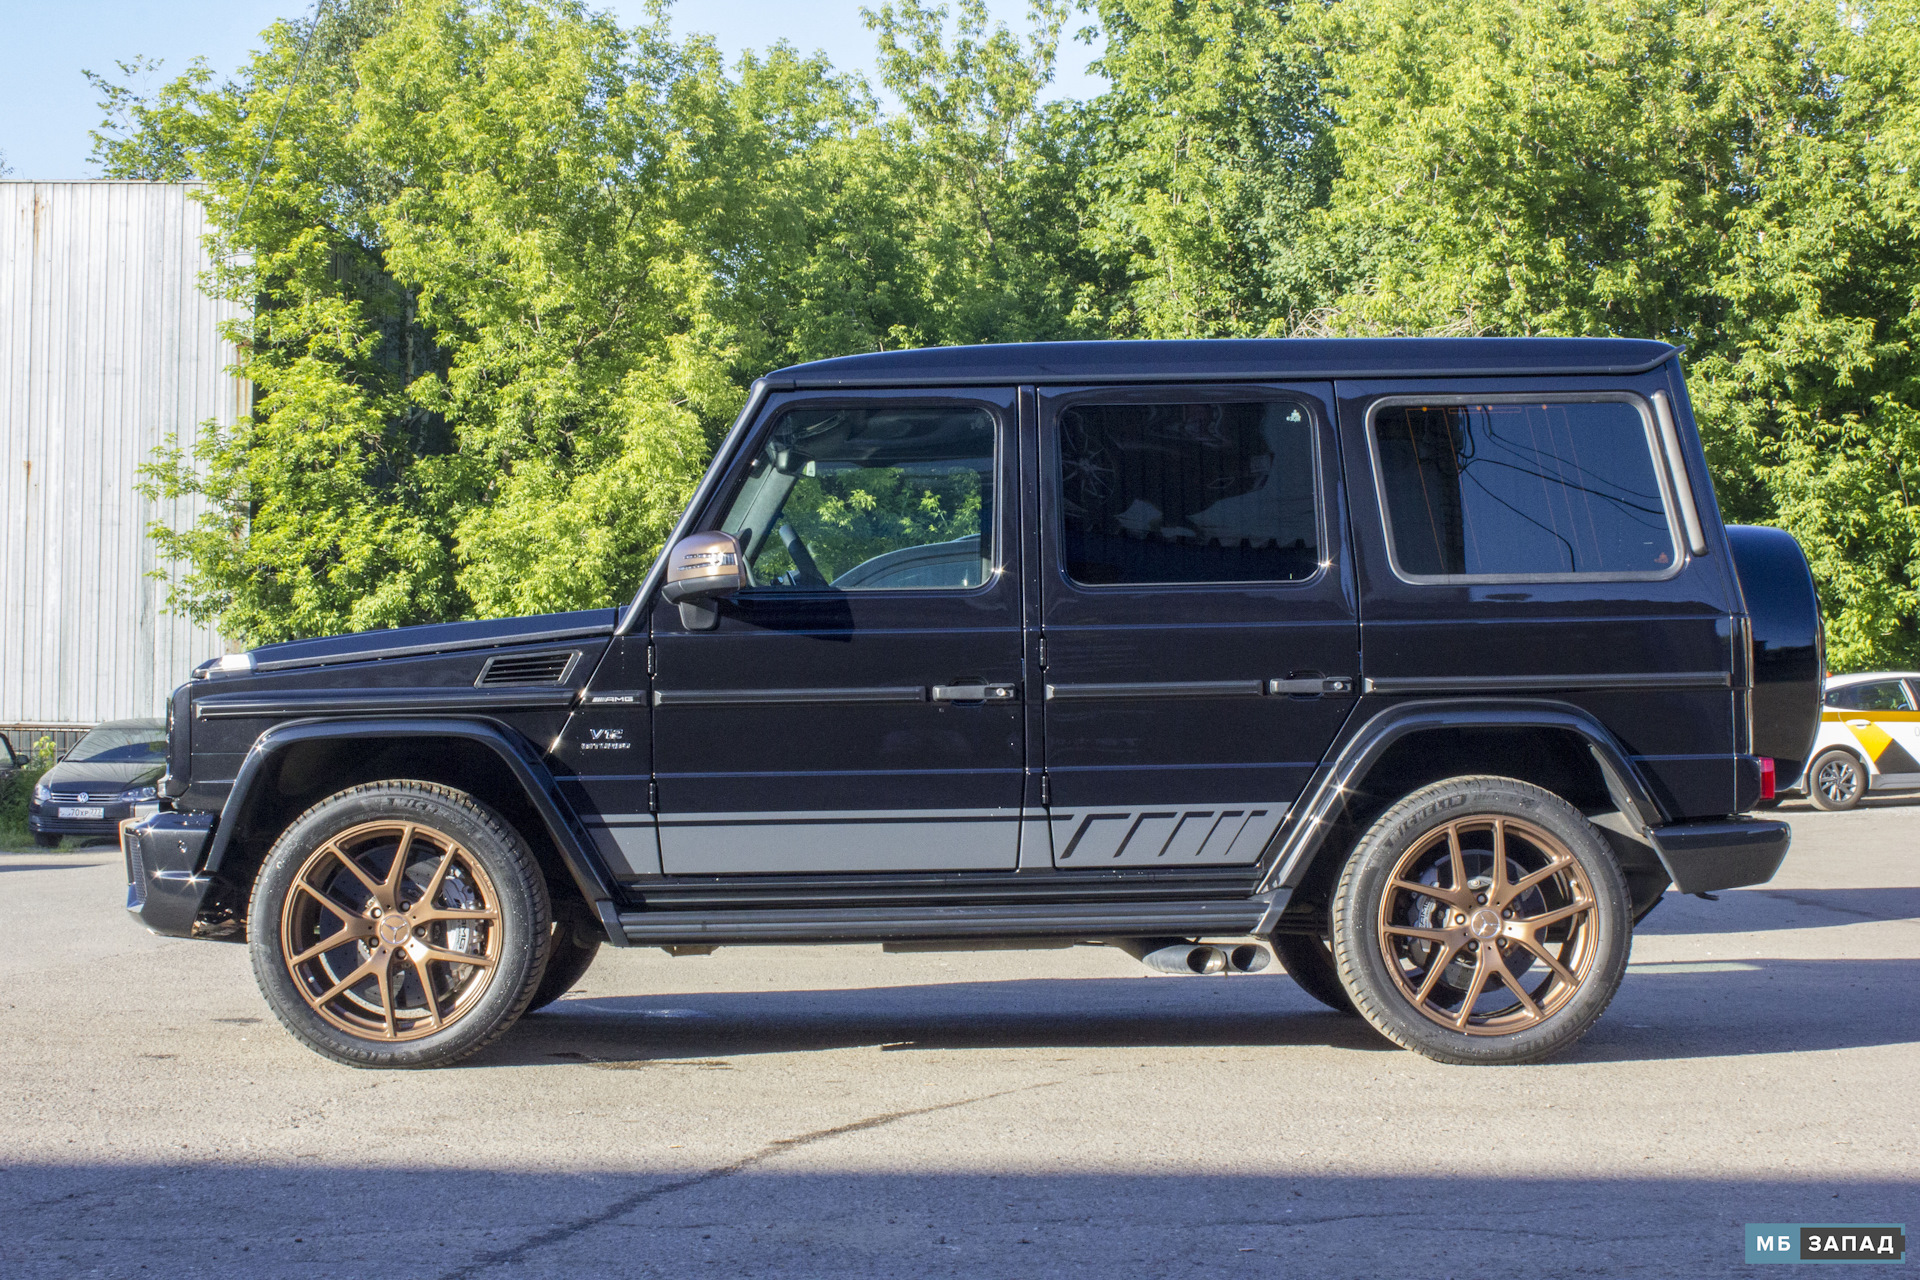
836, 1111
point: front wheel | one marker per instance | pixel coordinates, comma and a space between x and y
400, 924
1835, 781
46, 840
1482, 920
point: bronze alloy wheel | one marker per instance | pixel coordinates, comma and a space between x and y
391, 930
1487, 925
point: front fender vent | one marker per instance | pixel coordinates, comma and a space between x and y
527, 668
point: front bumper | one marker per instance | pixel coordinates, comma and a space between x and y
1703, 856
166, 890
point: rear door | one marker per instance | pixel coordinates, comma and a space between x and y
1197, 613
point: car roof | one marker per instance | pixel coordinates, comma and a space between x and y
132, 724
1867, 677
1227, 360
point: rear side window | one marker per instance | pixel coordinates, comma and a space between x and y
1188, 492
1502, 491
1886, 696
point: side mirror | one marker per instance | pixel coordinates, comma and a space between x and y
701, 568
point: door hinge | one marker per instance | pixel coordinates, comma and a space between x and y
1046, 791
653, 797
649, 658
1043, 653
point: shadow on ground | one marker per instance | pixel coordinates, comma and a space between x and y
749, 1216
1753, 1007
1764, 909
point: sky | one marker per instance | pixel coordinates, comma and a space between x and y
47, 107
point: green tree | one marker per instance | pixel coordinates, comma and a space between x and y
1208, 151
1724, 176
984, 174
513, 265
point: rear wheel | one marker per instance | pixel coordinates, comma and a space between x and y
1836, 781
1309, 962
400, 924
1482, 920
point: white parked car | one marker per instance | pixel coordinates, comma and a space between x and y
1869, 739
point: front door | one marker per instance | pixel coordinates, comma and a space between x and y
858, 708
1200, 636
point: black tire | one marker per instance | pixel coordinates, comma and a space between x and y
1309, 962
481, 867
1836, 780
1381, 923
569, 954
46, 840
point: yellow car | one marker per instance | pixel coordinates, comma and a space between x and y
1869, 739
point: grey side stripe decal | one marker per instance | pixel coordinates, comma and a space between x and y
1165, 837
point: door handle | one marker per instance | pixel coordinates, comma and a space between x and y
1312, 684
1858, 724
971, 692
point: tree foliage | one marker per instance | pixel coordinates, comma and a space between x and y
515, 264
1729, 176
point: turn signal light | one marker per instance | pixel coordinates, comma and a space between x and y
1766, 778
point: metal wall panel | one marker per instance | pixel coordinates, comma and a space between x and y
108, 346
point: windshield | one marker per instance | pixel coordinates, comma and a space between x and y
122, 744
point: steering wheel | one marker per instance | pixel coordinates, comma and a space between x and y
805, 572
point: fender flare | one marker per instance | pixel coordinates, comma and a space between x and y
1311, 819
563, 827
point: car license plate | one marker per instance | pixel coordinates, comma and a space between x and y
82, 811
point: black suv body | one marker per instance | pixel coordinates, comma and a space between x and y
1382, 652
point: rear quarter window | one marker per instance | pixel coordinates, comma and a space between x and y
1509, 490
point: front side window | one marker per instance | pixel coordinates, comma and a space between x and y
1188, 492
1521, 490
1887, 695
870, 498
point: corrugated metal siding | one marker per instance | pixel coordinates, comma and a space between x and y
107, 346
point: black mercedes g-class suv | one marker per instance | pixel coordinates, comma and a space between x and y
1427, 663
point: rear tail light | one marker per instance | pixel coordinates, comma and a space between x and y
1766, 778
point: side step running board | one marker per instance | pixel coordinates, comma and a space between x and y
1227, 918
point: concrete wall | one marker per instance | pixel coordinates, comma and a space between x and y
107, 347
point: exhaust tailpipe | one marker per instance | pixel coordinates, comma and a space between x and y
1179, 956
1186, 958
1248, 957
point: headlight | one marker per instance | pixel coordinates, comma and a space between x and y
139, 793
40, 794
